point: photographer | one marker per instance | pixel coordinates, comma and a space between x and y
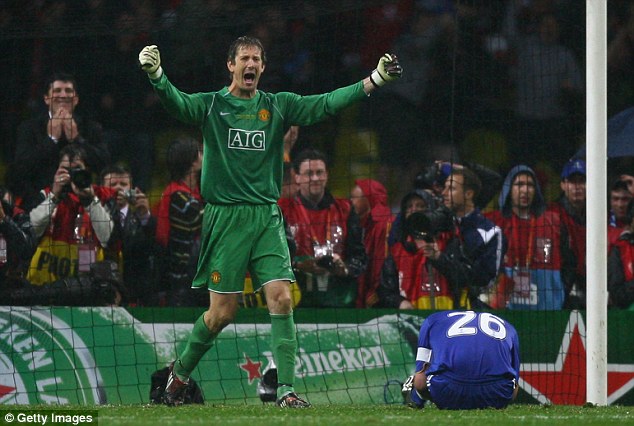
132, 240
72, 223
473, 255
407, 278
454, 247
431, 181
327, 233
414, 201
434, 176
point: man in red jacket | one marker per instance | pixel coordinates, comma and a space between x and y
72, 222
370, 201
621, 266
179, 223
571, 208
326, 230
536, 257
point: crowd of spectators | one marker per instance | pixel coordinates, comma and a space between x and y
513, 68
469, 71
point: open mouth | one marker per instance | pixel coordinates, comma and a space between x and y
249, 77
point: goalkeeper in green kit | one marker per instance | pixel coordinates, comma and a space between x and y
243, 130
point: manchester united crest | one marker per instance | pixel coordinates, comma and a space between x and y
264, 115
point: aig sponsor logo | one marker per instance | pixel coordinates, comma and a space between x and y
253, 140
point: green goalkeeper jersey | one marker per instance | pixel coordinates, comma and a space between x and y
244, 138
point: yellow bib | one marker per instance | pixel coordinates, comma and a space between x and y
443, 302
54, 260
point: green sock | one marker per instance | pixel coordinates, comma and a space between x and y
284, 346
198, 344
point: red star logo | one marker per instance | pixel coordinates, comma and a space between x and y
5, 390
564, 382
252, 368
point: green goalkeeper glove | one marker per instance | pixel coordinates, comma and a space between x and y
388, 69
150, 61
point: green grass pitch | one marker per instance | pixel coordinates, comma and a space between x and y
335, 415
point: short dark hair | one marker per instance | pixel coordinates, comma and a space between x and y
59, 76
245, 41
74, 151
308, 154
619, 185
181, 154
114, 169
471, 180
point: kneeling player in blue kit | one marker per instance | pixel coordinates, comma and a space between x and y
465, 360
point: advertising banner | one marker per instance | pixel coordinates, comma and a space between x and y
107, 355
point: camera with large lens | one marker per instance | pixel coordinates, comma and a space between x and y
426, 225
80, 177
433, 175
325, 262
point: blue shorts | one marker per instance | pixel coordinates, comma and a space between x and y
451, 394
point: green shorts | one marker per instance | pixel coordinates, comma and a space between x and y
240, 238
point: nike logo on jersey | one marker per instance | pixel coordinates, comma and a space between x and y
222, 113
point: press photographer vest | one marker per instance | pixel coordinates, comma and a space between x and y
59, 254
534, 257
626, 252
415, 280
309, 226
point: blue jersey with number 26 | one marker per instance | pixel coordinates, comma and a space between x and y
468, 346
